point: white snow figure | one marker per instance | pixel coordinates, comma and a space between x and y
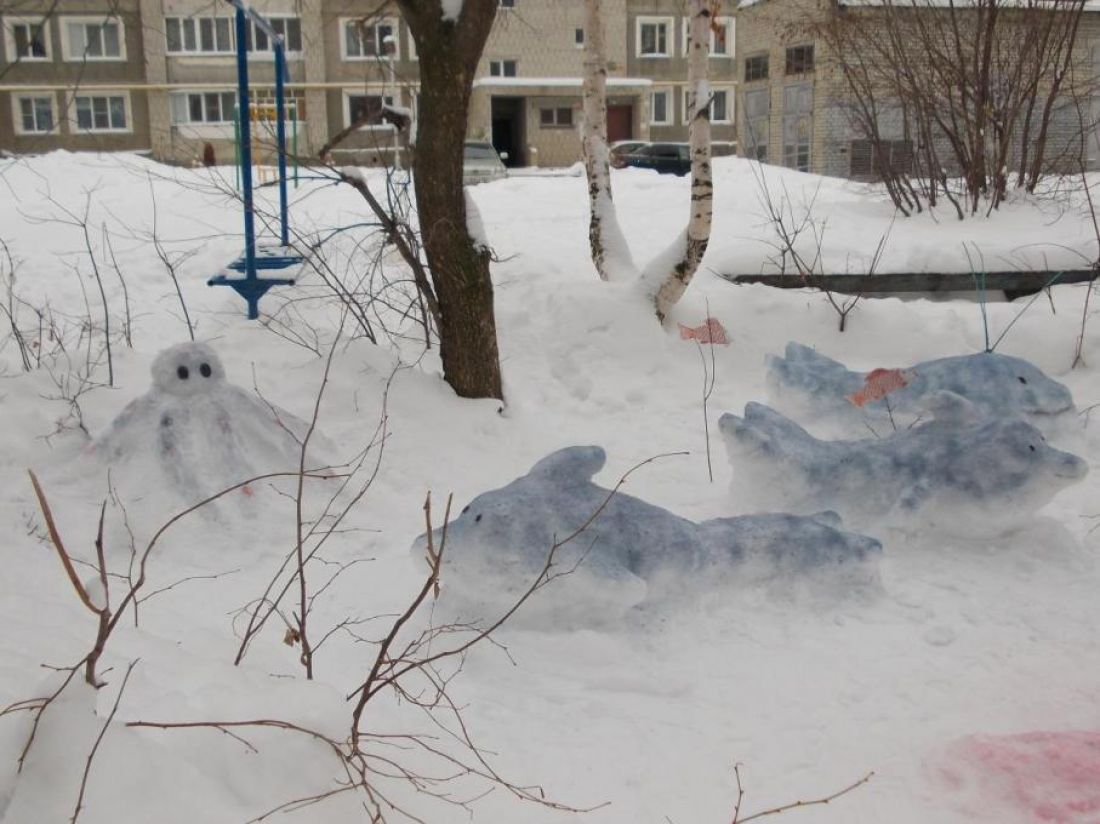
195, 432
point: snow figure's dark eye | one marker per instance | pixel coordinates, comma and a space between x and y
477, 519
183, 372
204, 370
1022, 379
467, 509
1031, 446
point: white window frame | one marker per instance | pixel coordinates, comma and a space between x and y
670, 100
670, 38
9, 38
86, 20
392, 22
74, 125
290, 53
413, 54
387, 100
583, 34
200, 52
730, 24
730, 97
17, 112
187, 93
502, 61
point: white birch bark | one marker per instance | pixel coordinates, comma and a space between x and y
668, 275
610, 252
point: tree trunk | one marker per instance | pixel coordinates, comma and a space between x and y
610, 252
690, 247
449, 51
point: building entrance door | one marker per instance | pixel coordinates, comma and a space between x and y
620, 123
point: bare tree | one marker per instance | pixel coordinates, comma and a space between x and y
667, 276
449, 49
972, 91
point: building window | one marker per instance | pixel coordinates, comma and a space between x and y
101, 112
559, 118
199, 35
34, 115
721, 108
93, 39
867, 156
502, 68
721, 36
27, 39
756, 67
800, 59
289, 28
507, 4
578, 38
757, 117
653, 36
366, 110
368, 41
798, 107
204, 107
659, 108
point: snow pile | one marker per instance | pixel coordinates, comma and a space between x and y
958, 472
618, 550
807, 384
196, 434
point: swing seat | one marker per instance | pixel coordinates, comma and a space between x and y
269, 257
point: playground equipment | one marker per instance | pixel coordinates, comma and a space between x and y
251, 287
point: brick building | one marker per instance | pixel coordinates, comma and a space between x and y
159, 75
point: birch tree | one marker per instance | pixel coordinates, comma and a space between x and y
665, 279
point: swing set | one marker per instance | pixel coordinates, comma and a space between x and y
251, 287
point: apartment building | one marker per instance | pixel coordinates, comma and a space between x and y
160, 76
796, 106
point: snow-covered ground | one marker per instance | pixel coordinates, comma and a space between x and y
641, 719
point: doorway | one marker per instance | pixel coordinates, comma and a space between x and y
508, 129
620, 123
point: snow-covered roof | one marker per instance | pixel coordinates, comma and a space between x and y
563, 82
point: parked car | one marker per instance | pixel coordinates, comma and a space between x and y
621, 148
665, 158
481, 164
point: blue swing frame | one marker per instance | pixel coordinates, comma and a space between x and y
251, 287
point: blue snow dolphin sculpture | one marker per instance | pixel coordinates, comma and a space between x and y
996, 386
631, 549
960, 472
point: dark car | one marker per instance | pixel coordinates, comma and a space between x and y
622, 148
665, 158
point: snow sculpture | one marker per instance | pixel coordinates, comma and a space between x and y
631, 552
958, 471
996, 385
196, 432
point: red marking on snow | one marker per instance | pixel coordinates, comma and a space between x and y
878, 384
710, 332
246, 490
1043, 776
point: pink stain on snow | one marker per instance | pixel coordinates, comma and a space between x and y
710, 332
1042, 776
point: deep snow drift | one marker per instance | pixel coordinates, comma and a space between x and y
994, 637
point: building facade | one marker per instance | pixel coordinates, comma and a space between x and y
160, 76
797, 107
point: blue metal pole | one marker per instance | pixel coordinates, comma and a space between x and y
280, 134
246, 155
